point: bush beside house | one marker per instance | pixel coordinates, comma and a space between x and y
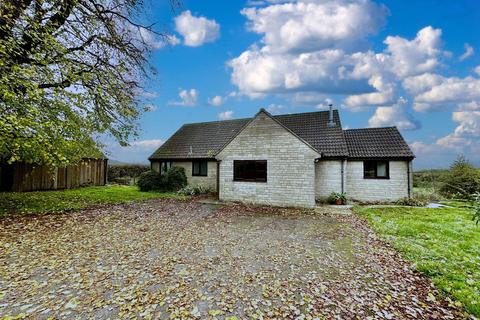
172, 180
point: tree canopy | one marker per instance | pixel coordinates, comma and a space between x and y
70, 70
462, 180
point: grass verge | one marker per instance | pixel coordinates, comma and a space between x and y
443, 243
39, 202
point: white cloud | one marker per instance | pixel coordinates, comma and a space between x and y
468, 52
410, 57
314, 25
395, 115
275, 108
386, 94
196, 30
421, 83
188, 98
216, 101
451, 89
156, 42
227, 115
469, 123
469, 106
302, 53
147, 144
477, 70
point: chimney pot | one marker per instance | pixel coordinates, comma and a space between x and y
331, 123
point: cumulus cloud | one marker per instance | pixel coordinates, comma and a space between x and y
451, 89
196, 30
468, 52
386, 94
226, 115
469, 123
395, 115
300, 52
154, 41
188, 98
216, 101
415, 56
314, 25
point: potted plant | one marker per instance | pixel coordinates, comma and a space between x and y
337, 198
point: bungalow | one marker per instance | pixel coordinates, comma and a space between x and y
290, 160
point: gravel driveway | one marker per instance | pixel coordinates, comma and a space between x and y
174, 259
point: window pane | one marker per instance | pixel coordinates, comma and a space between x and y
381, 169
196, 168
369, 169
203, 168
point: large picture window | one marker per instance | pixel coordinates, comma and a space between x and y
376, 169
250, 170
199, 168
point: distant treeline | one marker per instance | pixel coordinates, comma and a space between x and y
126, 173
461, 180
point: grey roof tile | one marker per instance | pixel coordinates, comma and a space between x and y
377, 143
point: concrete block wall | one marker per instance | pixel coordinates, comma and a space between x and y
290, 166
391, 189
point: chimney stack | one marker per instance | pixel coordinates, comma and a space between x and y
331, 123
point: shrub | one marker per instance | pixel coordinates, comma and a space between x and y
176, 178
194, 190
412, 202
150, 181
173, 180
462, 181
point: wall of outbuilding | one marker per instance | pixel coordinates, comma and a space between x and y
391, 189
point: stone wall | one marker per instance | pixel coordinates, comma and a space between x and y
290, 166
328, 177
209, 181
391, 189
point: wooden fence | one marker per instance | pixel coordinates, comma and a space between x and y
20, 176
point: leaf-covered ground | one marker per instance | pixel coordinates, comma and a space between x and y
39, 202
183, 259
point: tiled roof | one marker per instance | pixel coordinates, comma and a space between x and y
199, 140
206, 139
377, 143
313, 128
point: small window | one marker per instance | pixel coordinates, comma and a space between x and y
373, 169
250, 170
199, 168
164, 166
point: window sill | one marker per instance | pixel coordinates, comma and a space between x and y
199, 175
250, 181
376, 178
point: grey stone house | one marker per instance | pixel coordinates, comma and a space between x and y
290, 160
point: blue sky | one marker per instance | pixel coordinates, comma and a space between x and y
381, 63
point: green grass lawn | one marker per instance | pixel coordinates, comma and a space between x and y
443, 243
57, 201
